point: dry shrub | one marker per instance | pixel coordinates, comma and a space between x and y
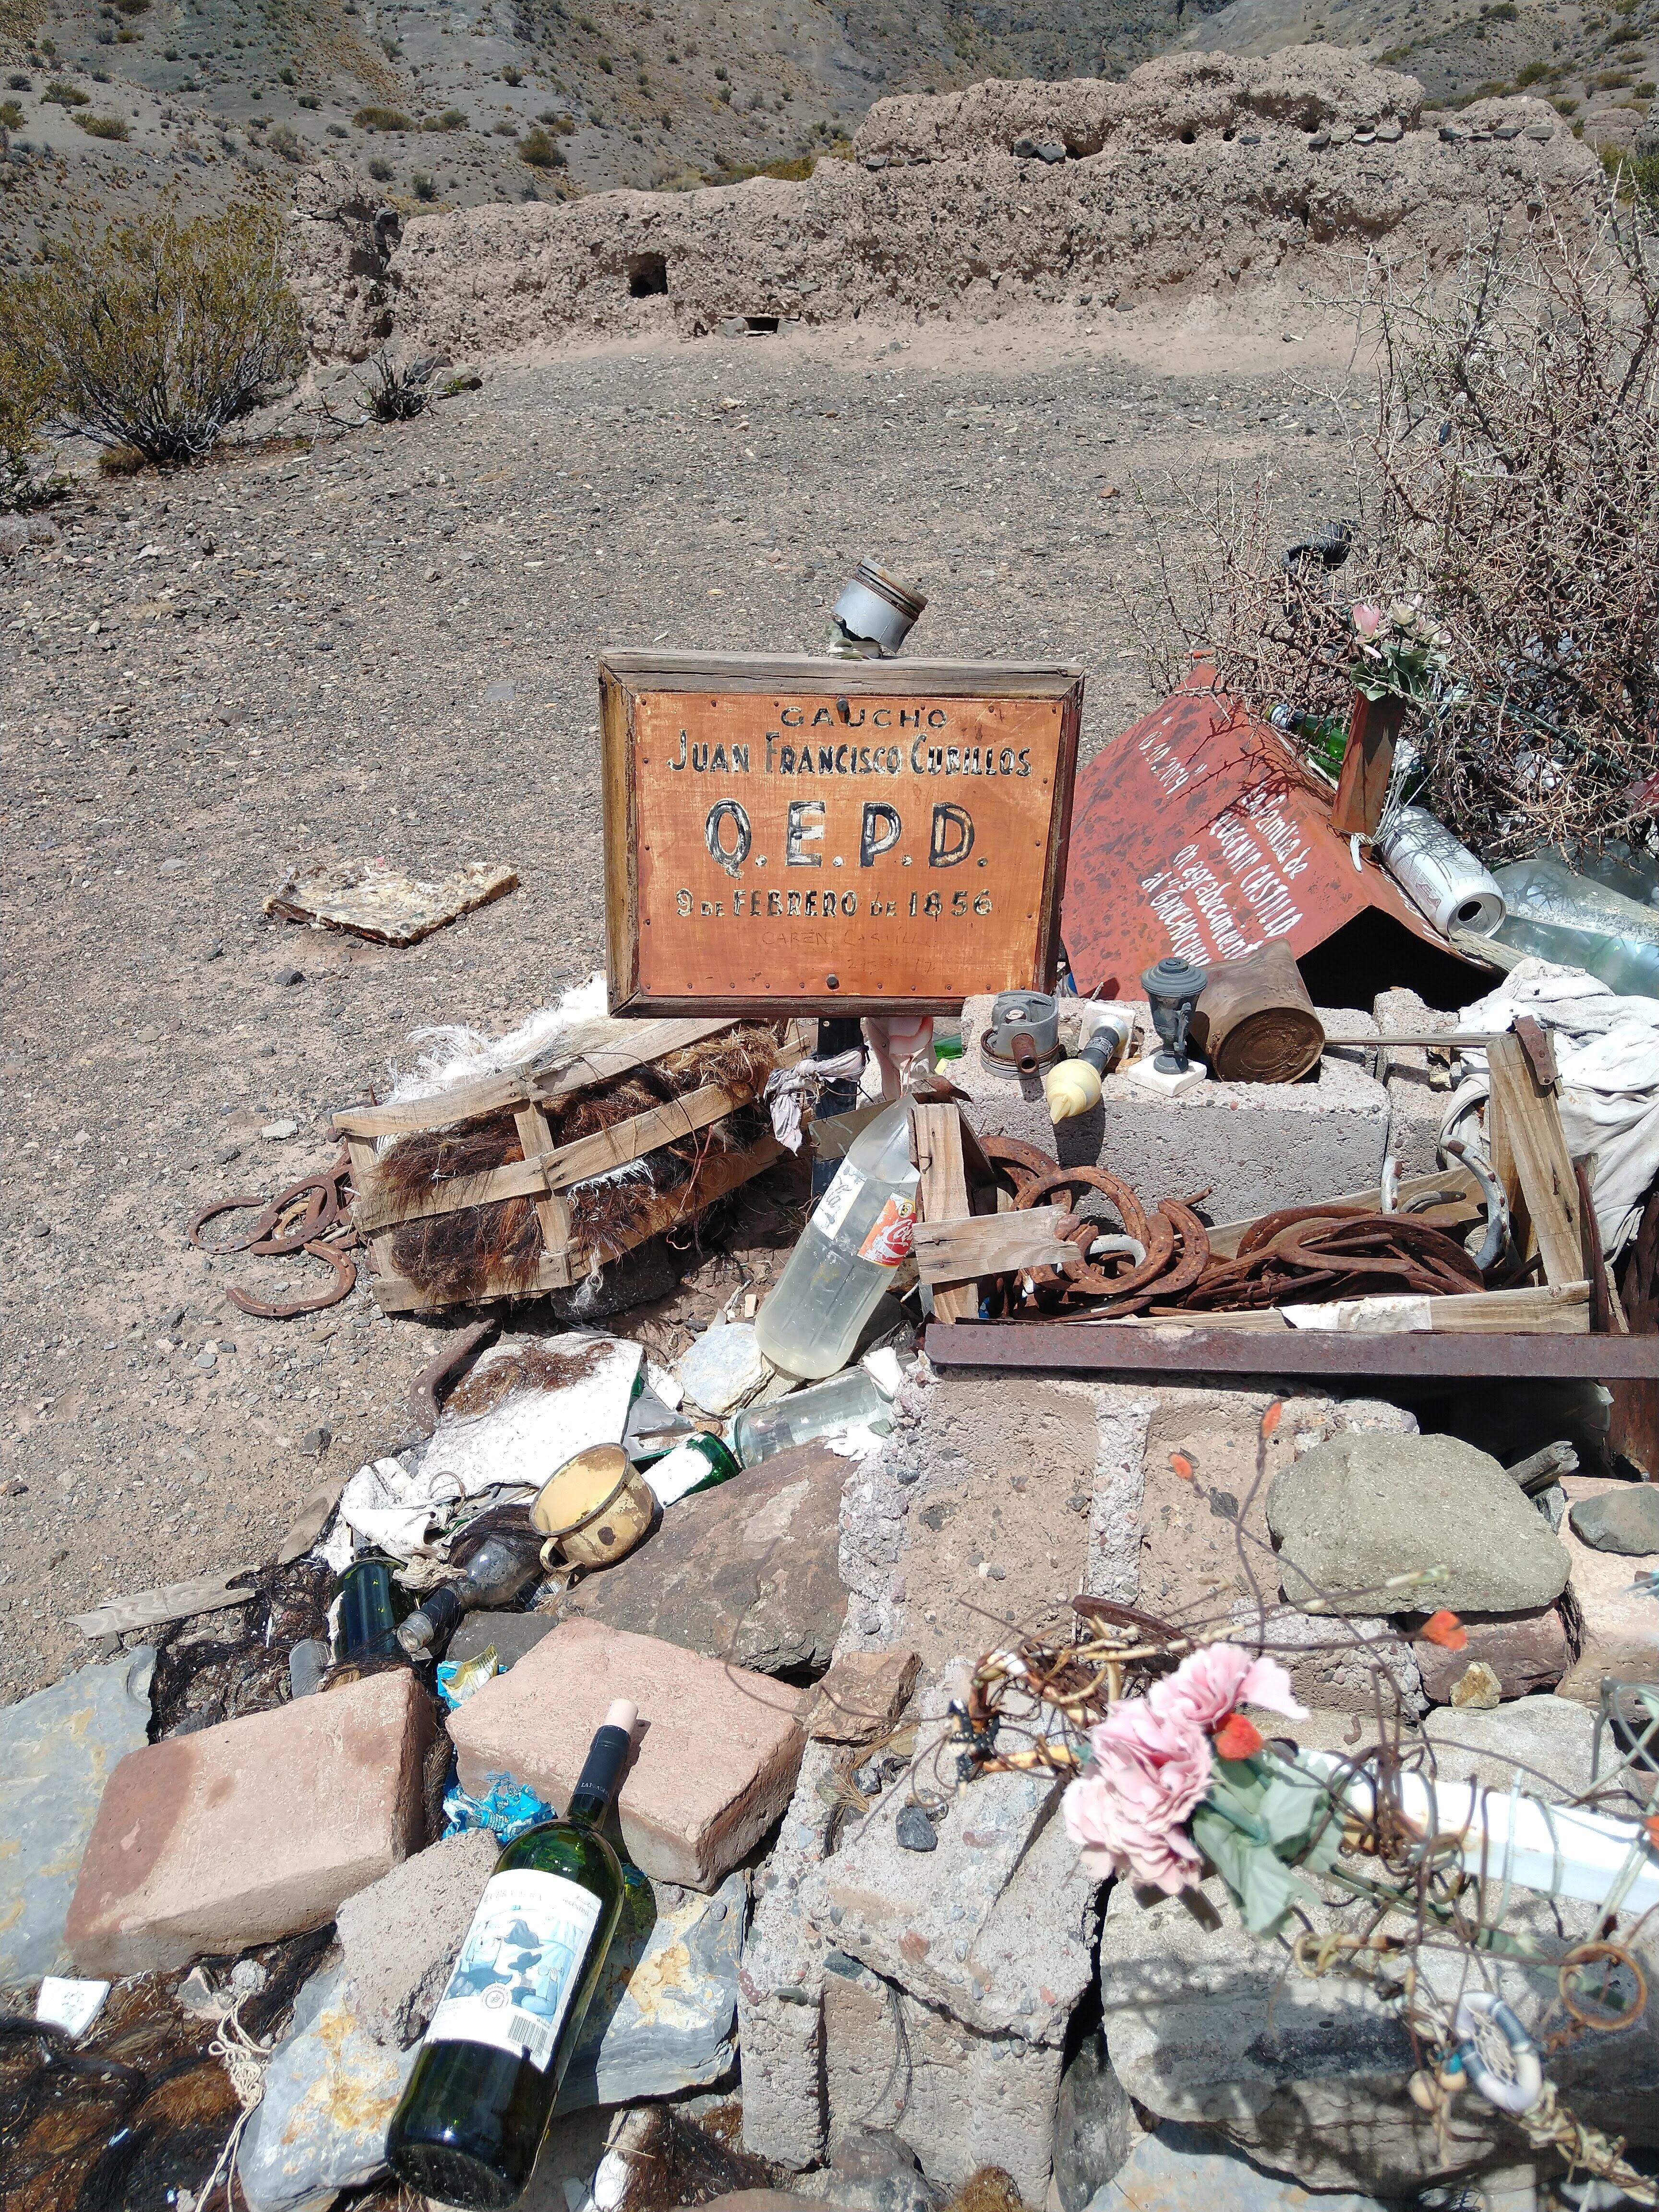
158, 334
25, 413
1512, 486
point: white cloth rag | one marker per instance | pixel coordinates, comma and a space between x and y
1607, 1056
787, 1087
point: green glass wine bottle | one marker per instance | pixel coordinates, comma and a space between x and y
468, 2127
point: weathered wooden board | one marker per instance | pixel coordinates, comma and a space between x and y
1529, 1154
832, 836
989, 1244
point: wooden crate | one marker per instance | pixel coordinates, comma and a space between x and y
788, 834
588, 1057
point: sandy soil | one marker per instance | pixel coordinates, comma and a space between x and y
386, 645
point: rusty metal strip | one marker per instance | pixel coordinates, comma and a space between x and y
1169, 1348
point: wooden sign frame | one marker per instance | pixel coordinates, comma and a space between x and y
944, 724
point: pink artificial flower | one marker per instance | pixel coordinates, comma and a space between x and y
1125, 1813
1210, 1682
1367, 620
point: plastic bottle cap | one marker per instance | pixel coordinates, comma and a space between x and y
623, 1714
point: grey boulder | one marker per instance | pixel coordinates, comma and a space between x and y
402, 1934
1096, 2130
1350, 1514
1625, 1520
58, 1748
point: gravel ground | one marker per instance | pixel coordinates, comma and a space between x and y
386, 645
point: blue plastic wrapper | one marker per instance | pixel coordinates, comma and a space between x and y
507, 1809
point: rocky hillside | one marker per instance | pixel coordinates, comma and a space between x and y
103, 102
1199, 175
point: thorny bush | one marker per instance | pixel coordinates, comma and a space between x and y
25, 407
160, 333
1509, 487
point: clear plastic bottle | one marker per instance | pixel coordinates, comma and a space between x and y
1560, 915
859, 1232
849, 1401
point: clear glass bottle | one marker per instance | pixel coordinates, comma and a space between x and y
1559, 915
852, 1399
500, 1569
470, 2124
859, 1232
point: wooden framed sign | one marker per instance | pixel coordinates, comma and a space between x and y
832, 836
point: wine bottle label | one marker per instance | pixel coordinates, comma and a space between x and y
891, 1233
518, 1966
833, 1208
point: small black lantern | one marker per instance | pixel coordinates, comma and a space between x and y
1172, 988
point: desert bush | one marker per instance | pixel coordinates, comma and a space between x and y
284, 140
540, 150
17, 82
106, 126
66, 95
452, 118
1509, 489
25, 414
11, 115
158, 334
381, 170
422, 187
382, 119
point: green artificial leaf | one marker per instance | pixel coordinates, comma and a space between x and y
1263, 1886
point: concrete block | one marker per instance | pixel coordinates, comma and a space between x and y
994, 1926
996, 1498
1618, 1610
960, 2100
1255, 1146
716, 1756
401, 1935
1333, 1663
1526, 1651
1547, 1740
252, 1830
56, 1751
780, 1988
1419, 1091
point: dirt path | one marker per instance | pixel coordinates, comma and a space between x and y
386, 646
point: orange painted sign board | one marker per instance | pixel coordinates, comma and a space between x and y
830, 836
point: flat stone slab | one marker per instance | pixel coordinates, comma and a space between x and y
715, 1757
1182, 2169
1526, 1651
331, 2090
746, 1571
664, 2018
1352, 1513
252, 1830
57, 1749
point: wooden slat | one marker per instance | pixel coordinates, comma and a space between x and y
1561, 1312
536, 1141
989, 1244
517, 1179
1224, 1236
943, 1193
640, 670
1525, 1112
595, 1057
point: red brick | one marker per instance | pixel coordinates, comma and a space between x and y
1526, 1651
718, 1749
252, 1830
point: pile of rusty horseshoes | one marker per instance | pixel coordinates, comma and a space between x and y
310, 1216
1300, 1253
